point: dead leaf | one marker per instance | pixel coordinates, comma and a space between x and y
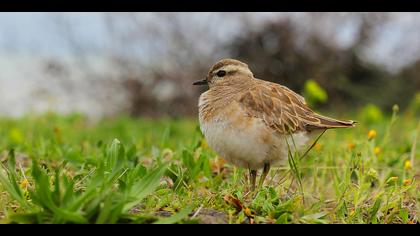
234, 202
217, 164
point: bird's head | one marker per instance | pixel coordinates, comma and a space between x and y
227, 72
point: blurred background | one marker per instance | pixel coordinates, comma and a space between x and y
143, 64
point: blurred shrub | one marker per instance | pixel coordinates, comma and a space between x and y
280, 53
278, 50
314, 93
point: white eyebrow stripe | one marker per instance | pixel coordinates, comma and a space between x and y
232, 67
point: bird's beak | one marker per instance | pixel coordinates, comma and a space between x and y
201, 82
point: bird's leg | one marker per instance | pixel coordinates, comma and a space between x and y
252, 178
264, 174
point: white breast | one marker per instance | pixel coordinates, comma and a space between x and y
240, 147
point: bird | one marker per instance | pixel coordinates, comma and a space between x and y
253, 123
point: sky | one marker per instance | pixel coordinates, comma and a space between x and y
37, 32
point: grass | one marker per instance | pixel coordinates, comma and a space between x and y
64, 169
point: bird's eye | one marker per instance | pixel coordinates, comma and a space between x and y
221, 73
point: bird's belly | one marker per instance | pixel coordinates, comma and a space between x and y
248, 144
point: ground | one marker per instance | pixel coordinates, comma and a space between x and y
66, 169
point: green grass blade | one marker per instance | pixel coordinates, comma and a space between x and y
177, 217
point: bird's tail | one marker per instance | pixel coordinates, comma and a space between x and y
330, 123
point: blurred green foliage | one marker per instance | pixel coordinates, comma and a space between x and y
415, 104
372, 114
314, 93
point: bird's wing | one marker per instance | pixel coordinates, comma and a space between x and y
284, 111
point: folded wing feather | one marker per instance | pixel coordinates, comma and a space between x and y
285, 111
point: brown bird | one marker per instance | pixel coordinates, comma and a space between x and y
254, 123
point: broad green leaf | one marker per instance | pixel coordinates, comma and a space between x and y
145, 186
